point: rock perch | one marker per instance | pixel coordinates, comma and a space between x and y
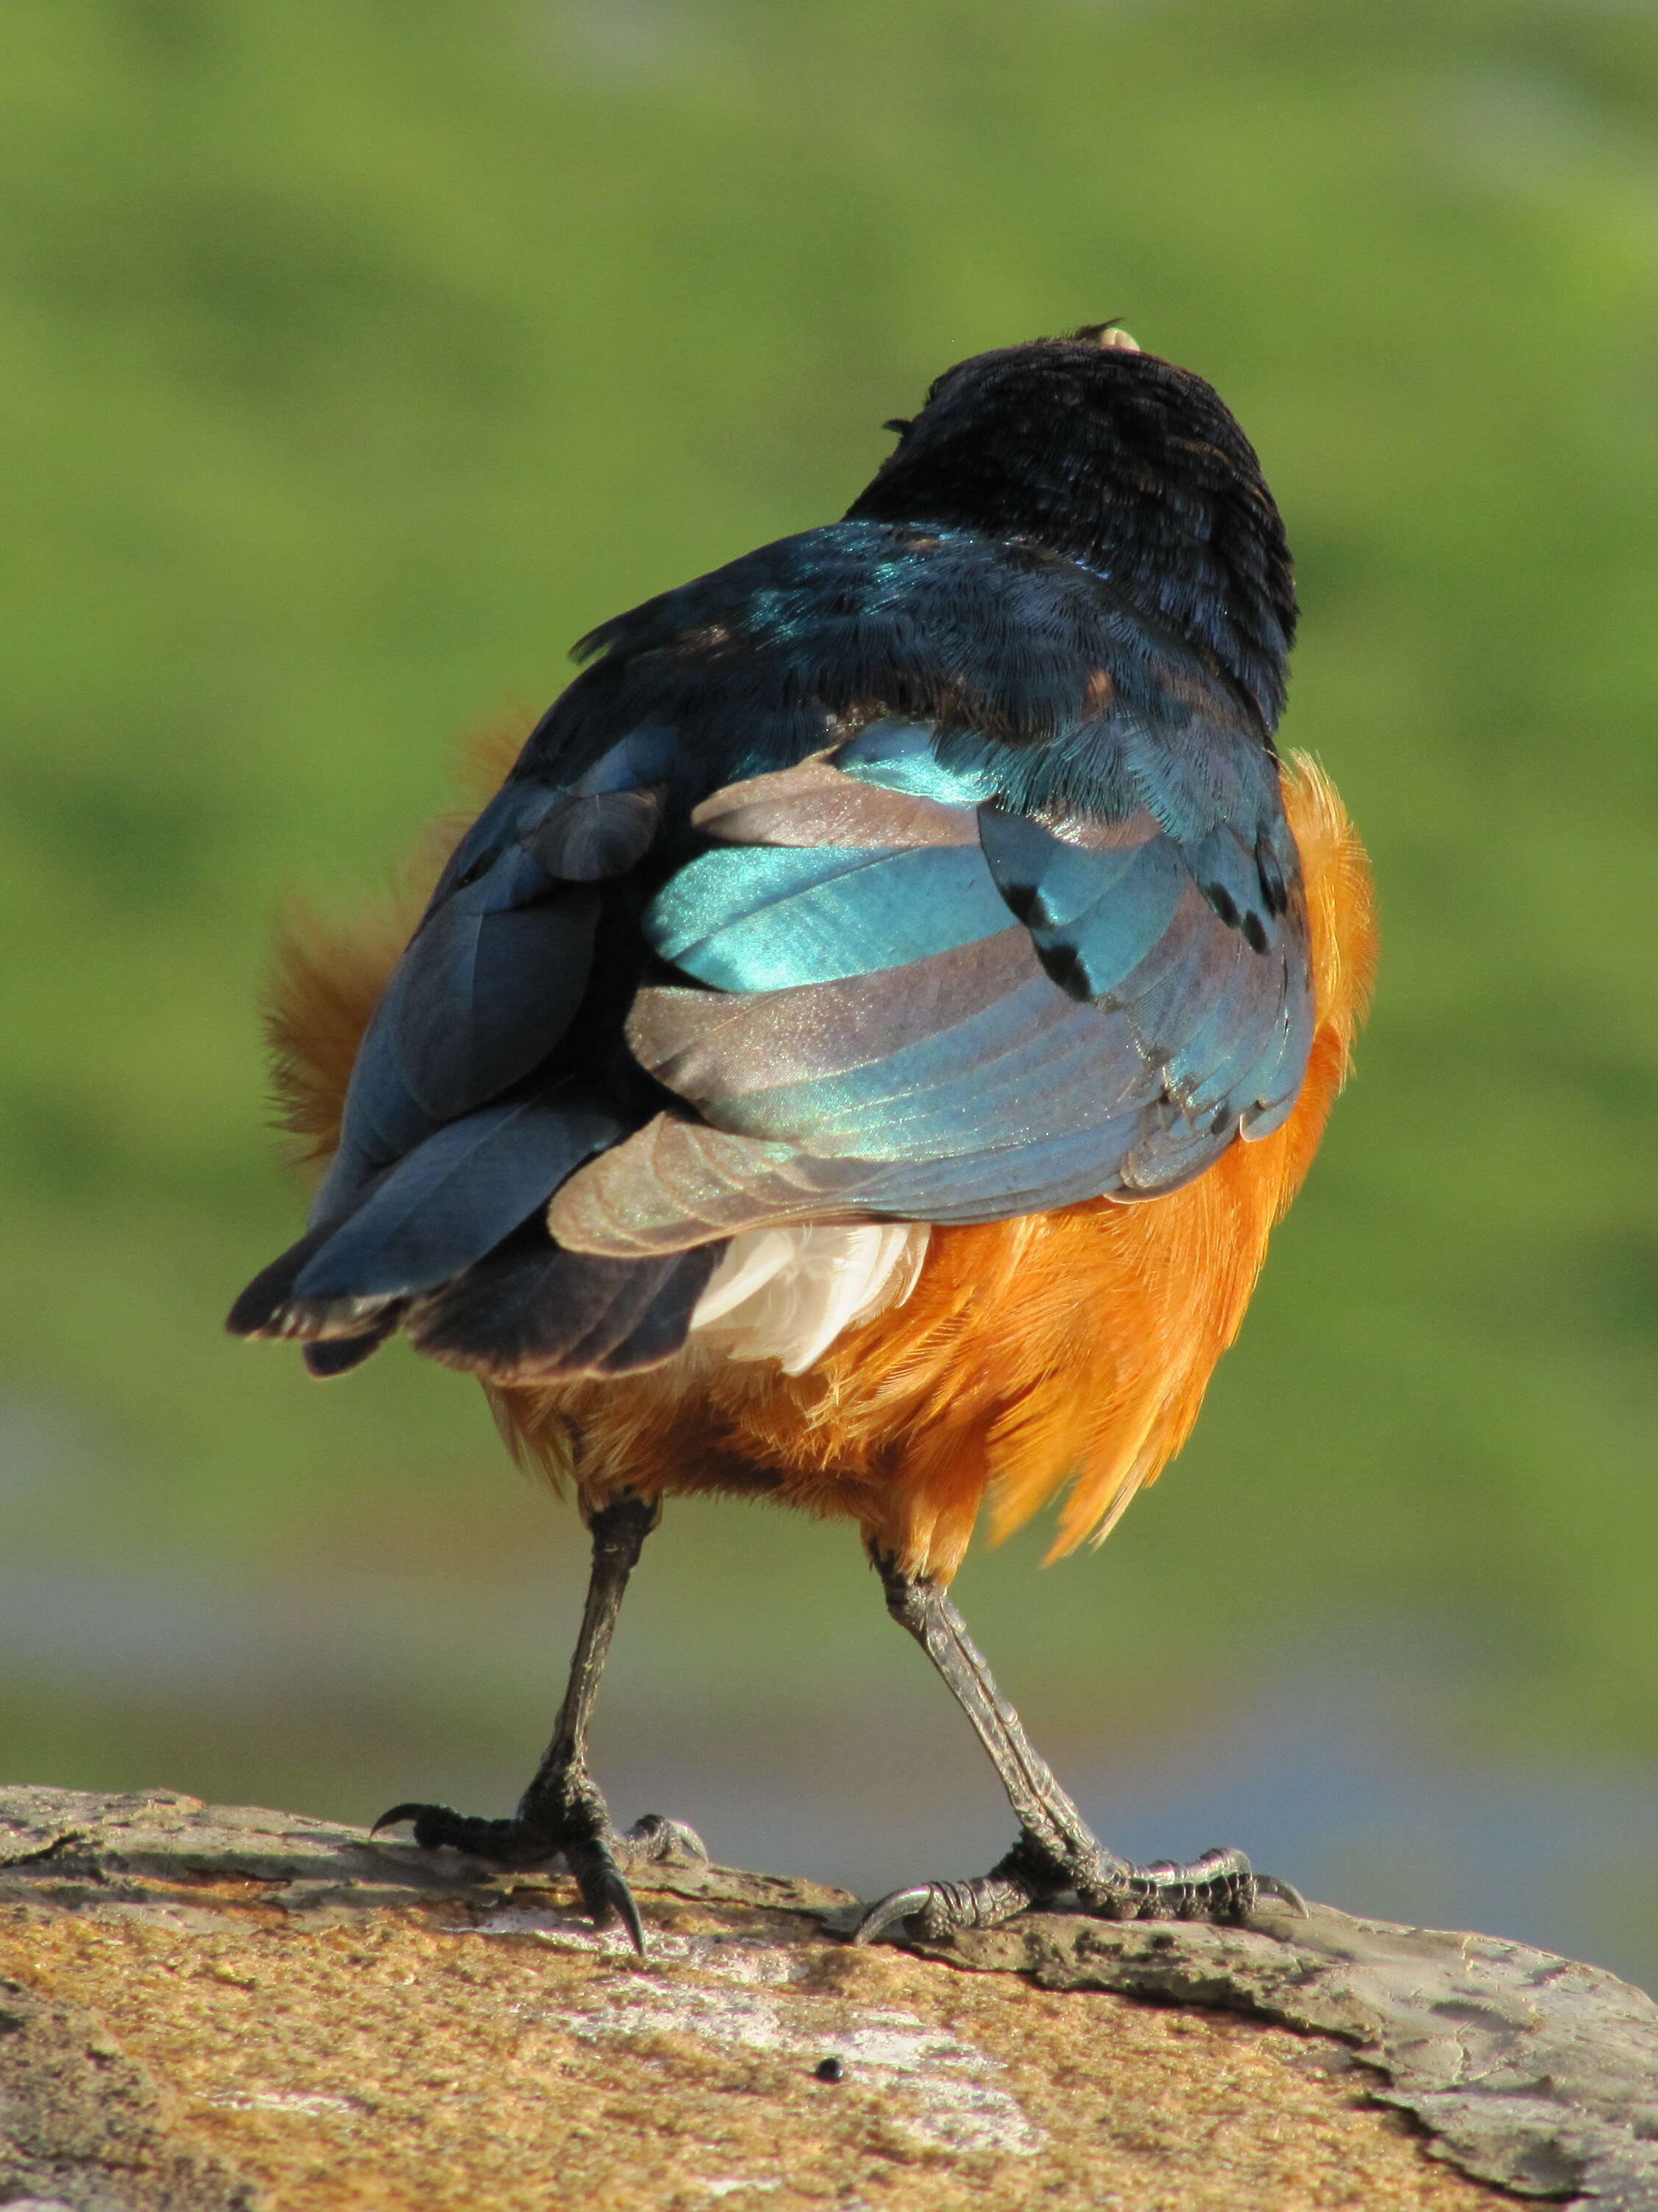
214, 2009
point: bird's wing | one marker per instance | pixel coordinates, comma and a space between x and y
895, 995
880, 876
476, 1088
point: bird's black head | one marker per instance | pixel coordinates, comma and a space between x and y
1093, 449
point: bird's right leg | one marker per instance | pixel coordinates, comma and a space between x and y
563, 1811
1057, 1852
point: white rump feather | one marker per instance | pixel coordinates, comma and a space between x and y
785, 1294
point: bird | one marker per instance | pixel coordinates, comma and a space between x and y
857, 1056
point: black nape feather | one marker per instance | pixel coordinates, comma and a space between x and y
1123, 462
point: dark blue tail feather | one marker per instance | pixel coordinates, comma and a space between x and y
530, 1312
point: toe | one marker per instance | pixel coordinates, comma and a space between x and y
1218, 1887
604, 1891
939, 1908
901, 1905
434, 1826
508, 1842
654, 1837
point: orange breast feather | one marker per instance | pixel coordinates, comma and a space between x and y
1071, 1347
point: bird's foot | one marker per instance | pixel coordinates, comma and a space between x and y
582, 1834
1220, 1886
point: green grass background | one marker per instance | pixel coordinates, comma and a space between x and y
357, 356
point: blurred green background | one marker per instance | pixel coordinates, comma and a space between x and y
362, 353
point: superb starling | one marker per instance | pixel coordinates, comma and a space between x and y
857, 1055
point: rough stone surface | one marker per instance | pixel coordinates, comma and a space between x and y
230, 2010
1525, 2068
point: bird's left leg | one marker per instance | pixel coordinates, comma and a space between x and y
1057, 1850
563, 1811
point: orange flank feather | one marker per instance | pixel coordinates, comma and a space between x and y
1071, 1347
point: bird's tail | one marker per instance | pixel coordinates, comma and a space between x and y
510, 1308
450, 1244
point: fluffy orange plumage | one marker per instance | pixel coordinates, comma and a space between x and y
1071, 1347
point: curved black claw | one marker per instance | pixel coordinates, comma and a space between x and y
1272, 1885
604, 1890
900, 1904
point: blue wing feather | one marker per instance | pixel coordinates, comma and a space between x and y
485, 992
855, 1033
1091, 956
765, 918
1016, 1070
448, 1201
